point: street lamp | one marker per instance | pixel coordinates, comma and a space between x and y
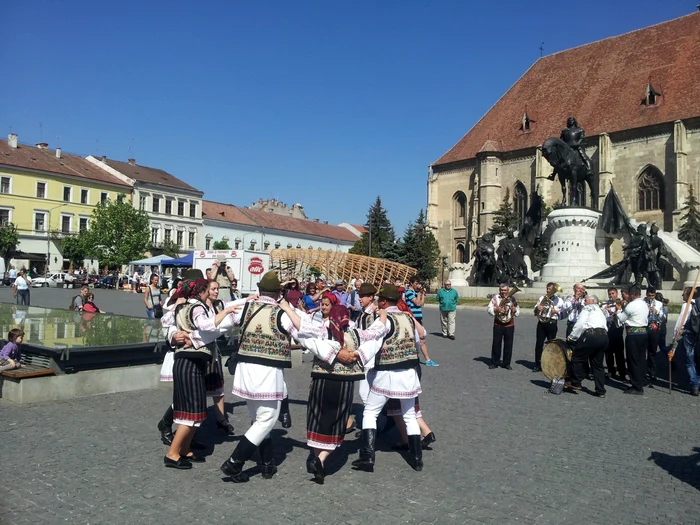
48, 235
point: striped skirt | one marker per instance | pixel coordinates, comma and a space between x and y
328, 411
214, 379
189, 392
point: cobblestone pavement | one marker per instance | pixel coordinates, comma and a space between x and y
506, 452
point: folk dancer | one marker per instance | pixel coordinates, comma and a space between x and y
635, 317
264, 352
615, 354
590, 339
547, 312
393, 376
656, 319
503, 327
367, 317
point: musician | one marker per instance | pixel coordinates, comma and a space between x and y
504, 310
547, 310
573, 305
635, 317
615, 354
590, 337
656, 319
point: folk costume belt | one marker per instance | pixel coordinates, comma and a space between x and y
634, 330
551, 320
595, 331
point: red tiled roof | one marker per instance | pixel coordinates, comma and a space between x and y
146, 174
602, 84
33, 158
359, 228
264, 219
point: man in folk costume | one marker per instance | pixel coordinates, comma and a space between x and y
590, 339
615, 354
264, 352
503, 327
635, 317
547, 310
656, 319
366, 291
393, 376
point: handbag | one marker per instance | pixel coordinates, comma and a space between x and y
157, 308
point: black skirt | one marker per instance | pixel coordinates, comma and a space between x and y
328, 411
189, 392
214, 380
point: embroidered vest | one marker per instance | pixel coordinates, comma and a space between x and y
339, 371
365, 320
263, 341
399, 348
184, 320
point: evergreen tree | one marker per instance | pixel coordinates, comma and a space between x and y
690, 229
505, 219
421, 249
382, 233
9, 240
220, 245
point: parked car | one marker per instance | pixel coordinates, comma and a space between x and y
54, 279
106, 282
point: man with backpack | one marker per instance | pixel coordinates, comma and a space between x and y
689, 339
79, 301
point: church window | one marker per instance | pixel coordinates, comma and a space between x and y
651, 189
651, 97
459, 253
526, 123
520, 201
460, 209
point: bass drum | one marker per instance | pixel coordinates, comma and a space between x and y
556, 359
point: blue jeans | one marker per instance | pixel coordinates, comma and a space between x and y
150, 313
23, 297
690, 362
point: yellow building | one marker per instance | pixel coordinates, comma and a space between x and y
48, 194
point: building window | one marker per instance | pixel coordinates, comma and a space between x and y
142, 202
190, 239
277, 244
651, 189
193, 209
459, 253
156, 205
208, 244
40, 190
168, 235
180, 208
65, 223
519, 202
67, 193
180, 235
169, 206
39, 222
84, 196
4, 217
104, 196
651, 96
237, 244
460, 209
526, 122
83, 224
154, 235
5, 184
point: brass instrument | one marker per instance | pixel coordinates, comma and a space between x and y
505, 317
547, 303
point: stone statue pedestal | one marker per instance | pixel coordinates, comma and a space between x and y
458, 274
576, 246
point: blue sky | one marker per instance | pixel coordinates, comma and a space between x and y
324, 103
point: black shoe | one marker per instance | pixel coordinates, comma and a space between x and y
366, 459
427, 440
415, 453
633, 391
267, 459
194, 458
401, 447
451, 337
285, 417
491, 367
225, 427
233, 466
694, 392
600, 395
507, 367
315, 467
537, 369
166, 433
181, 464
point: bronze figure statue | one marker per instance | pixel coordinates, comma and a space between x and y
485, 261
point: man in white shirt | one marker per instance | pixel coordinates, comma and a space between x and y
617, 366
656, 319
503, 327
573, 306
547, 312
590, 337
635, 317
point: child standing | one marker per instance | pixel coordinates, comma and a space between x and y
10, 355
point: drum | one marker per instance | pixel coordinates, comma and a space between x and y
556, 359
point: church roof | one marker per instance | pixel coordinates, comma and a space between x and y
602, 84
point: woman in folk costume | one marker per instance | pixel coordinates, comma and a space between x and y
192, 359
333, 374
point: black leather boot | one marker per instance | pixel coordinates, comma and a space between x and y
366, 460
225, 426
267, 459
165, 427
233, 466
285, 417
415, 452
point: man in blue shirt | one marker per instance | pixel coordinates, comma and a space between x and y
415, 297
340, 292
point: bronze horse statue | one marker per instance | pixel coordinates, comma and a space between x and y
569, 166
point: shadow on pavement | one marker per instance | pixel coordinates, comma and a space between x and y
684, 468
482, 359
525, 363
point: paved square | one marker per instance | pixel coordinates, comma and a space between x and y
506, 452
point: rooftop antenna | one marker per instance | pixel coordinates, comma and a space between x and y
541, 49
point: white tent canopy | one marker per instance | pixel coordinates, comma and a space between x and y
152, 261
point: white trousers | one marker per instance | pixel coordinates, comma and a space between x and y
375, 403
364, 390
264, 416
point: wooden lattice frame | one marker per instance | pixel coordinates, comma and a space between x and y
295, 262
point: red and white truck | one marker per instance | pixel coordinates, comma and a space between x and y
248, 266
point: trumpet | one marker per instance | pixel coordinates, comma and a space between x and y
547, 303
507, 315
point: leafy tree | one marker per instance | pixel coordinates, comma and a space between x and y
9, 240
505, 219
421, 249
169, 248
75, 248
220, 245
690, 229
118, 232
382, 233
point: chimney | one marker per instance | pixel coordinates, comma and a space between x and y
58, 153
104, 159
325, 222
132, 162
315, 220
12, 140
42, 145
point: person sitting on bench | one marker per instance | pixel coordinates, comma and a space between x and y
10, 355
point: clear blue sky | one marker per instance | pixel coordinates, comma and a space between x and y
325, 103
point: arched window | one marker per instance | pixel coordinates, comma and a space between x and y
460, 209
459, 253
520, 201
650, 190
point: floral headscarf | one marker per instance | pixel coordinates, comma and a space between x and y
339, 320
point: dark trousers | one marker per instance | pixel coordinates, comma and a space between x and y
505, 334
545, 332
23, 297
636, 350
615, 355
652, 347
591, 348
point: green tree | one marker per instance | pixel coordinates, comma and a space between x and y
118, 232
220, 245
75, 248
421, 249
379, 229
9, 240
505, 219
169, 248
690, 229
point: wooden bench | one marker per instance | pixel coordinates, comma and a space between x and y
32, 366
